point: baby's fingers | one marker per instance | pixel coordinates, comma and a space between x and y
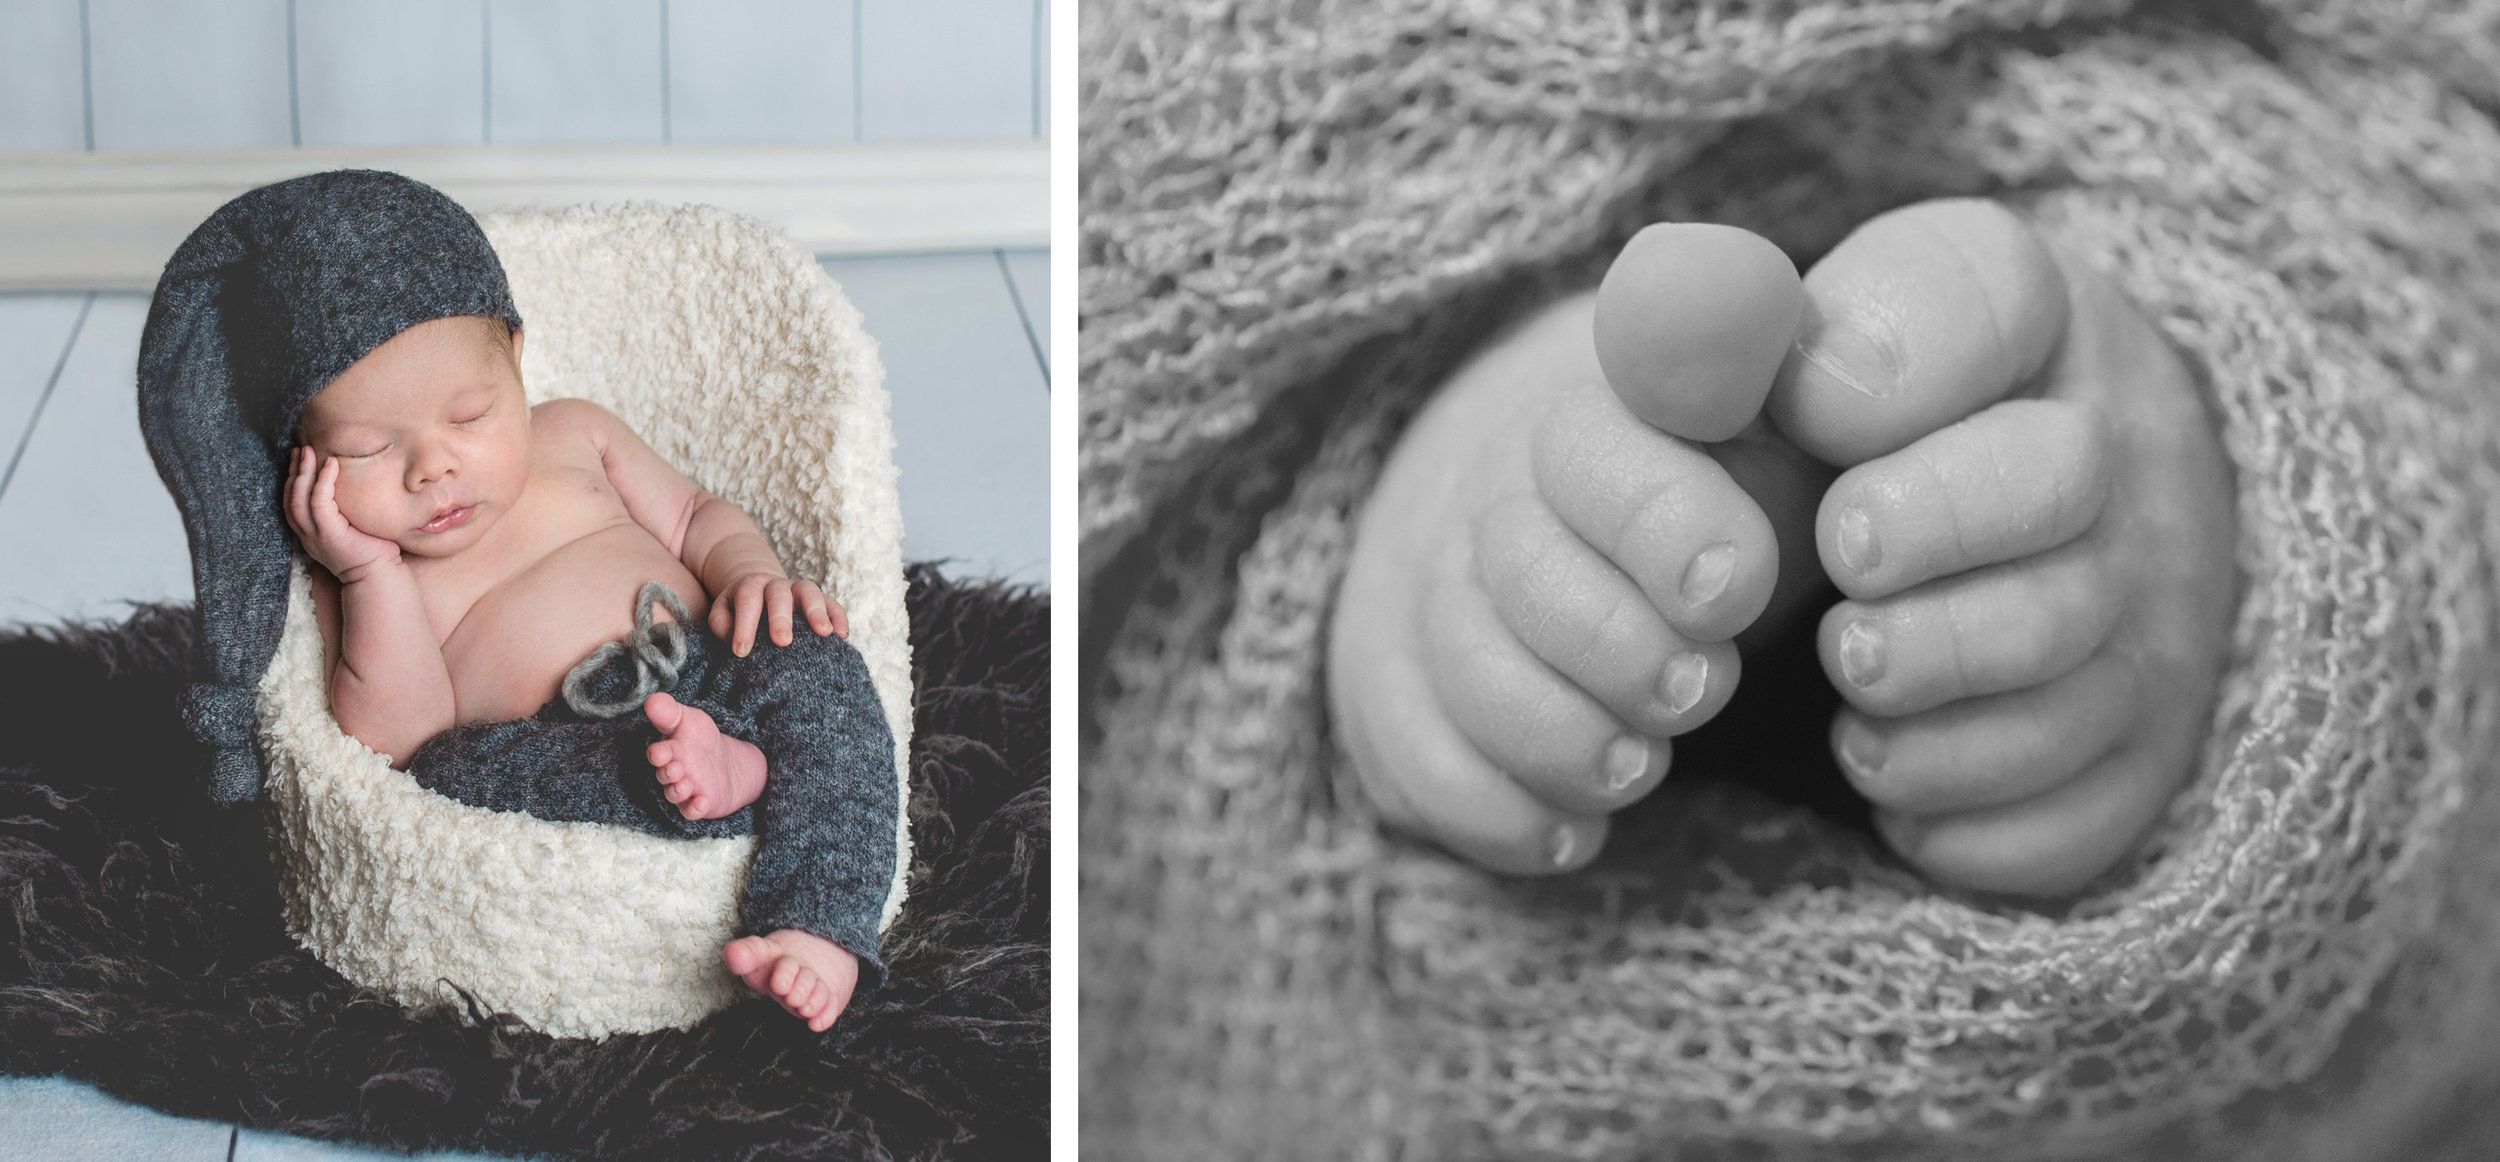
777, 610
323, 503
747, 607
299, 492
818, 608
2018, 478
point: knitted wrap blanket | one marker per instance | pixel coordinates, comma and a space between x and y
1299, 217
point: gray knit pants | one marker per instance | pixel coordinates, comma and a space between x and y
824, 827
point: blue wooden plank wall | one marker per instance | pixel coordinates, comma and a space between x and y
246, 74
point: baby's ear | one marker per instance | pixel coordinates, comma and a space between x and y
516, 348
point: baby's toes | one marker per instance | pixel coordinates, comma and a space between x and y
2052, 844
663, 711
749, 958
1989, 631
1525, 718
2015, 479
1992, 750
695, 729
1427, 778
1921, 316
1582, 616
1660, 510
1692, 323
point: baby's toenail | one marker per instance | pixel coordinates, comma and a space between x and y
1858, 549
1835, 350
1565, 844
1707, 576
1905, 833
1861, 654
1629, 759
1688, 676
1862, 749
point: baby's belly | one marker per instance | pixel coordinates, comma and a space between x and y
509, 656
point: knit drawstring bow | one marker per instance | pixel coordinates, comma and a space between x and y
658, 650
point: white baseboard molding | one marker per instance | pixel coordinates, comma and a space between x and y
108, 221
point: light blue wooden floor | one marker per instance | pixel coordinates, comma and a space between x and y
86, 527
55, 1119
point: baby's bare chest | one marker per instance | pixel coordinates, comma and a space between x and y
555, 580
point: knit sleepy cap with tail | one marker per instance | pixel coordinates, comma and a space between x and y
260, 308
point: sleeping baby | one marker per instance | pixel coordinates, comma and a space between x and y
527, 608
2005, 470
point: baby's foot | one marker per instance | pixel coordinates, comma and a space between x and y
1545, 585
801, 971
2040, 592
706, 773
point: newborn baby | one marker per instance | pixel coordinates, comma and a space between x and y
508, 596
2004, 468
474, 548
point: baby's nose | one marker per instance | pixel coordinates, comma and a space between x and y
430, 464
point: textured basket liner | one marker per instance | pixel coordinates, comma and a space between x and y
739, 360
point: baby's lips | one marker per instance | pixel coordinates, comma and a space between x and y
426, 527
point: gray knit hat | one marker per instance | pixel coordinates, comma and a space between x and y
262, 306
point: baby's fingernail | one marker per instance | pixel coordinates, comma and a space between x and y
1566, 844
1630, 759
1687, 677
1862, 749
1858, 549
1707, 576
1861, 654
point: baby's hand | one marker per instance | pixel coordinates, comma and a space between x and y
750, 595
312, 510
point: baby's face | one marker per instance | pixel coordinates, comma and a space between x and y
432, 434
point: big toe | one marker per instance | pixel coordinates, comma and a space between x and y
748, 957
1693, 322
1921, 316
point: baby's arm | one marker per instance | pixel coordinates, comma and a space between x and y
716, 539
389, 685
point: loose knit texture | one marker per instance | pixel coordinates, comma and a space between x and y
1298, 220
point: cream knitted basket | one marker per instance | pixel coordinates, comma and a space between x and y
732, 353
